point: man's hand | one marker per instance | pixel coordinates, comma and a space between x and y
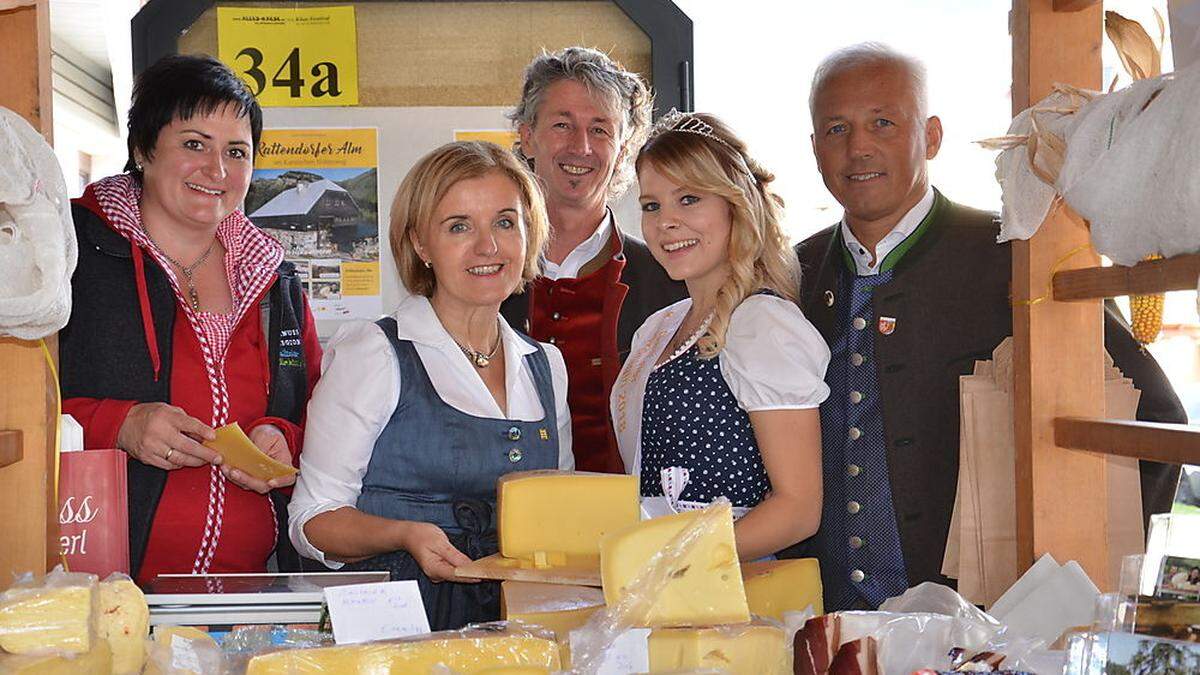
165, 436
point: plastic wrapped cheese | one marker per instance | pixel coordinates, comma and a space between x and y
758, 648
678, 570
183, 650
54, 614
124, 620
585, 508
97, 661
471, 650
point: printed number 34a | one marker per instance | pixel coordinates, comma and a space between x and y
326, 73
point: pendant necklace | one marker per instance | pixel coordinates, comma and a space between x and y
188, 270
478, 358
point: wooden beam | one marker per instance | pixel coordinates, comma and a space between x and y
1179, 273
11, 450
26, 88
1073, 5
1058, 347
1173, 443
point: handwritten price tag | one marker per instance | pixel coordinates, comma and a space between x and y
292, 57
379, 611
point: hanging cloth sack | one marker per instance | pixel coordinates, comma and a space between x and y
37, 238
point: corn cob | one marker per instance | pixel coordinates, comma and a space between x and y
1146, 314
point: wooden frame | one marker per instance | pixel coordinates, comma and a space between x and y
1058, 351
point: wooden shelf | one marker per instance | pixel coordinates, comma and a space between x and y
1174, 443
1179, 273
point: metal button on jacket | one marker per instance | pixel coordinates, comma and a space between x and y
856, 397
513, 434
859, 323
514, 455
853, 470
856, 359
856, 542
853, 507
553, 340
857, 576
855, 433
555, 316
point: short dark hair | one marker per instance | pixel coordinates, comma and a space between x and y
181, 87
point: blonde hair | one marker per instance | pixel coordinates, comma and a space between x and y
714, 160
427, 184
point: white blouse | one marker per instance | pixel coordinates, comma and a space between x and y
773, 359
357, 394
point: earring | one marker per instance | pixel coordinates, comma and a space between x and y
137, 165
428, 265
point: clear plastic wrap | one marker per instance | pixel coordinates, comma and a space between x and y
56, 614
183, 650
469, 650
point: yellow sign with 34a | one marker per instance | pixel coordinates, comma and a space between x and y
292, 57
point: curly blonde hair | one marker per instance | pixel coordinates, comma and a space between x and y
700, 151
429, 181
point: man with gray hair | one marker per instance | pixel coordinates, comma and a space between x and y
581, 120
909, 290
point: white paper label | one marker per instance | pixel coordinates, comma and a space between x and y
184, 656
629, 653
378, 611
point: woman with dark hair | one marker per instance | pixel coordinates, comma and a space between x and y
185, 318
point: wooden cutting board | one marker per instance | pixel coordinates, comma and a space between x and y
499, 567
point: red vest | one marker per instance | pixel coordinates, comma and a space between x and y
579, 316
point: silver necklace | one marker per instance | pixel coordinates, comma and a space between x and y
691, 340
478, 358
188, 270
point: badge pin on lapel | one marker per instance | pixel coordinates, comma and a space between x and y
543, 434
829, 298
887, 325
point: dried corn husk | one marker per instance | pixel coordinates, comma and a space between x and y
1139, 55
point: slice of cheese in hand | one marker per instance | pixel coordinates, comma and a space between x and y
759, 648
97, 661
48, 619
777, 586
238, 451
696, 582
556, 518
124, 620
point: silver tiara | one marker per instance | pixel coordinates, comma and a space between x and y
688, 123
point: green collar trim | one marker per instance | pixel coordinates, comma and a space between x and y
893, 258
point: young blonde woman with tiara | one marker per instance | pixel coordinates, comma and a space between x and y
720, 394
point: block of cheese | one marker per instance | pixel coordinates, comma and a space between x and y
515, 670
183, 650
97, 661
556, 518
124, 620
778, 586
557, 607
472, 653
758, 648
695, 583
58, 614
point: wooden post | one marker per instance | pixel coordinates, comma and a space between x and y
28, 409
1062, 499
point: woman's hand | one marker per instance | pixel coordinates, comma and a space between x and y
274, 444
432, 550
165, 436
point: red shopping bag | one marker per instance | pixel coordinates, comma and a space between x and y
93, 511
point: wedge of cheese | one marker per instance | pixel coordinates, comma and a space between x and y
697, 582
758, 648
97, 661
779, 586
556, 518
49, 619
238, 451
461, 655
124, 620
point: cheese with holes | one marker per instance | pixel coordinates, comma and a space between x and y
124, 620
778, 586
556, 518
460, 654
97, 661
759, 648
183, 650
48, 618
700, 584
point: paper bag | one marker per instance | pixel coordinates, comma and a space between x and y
93, 513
